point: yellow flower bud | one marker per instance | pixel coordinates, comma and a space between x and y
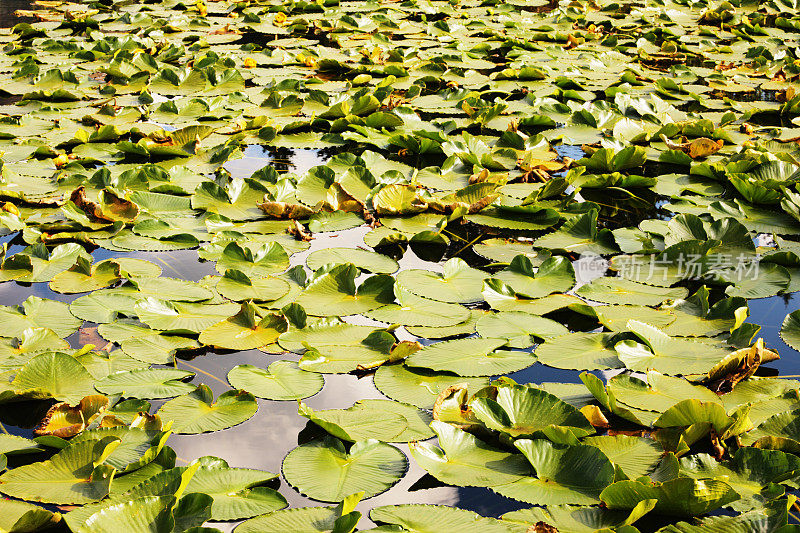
61, 160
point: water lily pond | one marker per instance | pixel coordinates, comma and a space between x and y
427, 266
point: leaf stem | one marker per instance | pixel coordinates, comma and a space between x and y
470, 243
157, 258
200, 370
453, 235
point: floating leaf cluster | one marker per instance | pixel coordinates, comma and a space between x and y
487, 155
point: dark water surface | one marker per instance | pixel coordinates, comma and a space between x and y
7, 9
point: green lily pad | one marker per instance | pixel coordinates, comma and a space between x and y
635, 456
521, 329
85, 277
463, 459
383, 420
54, 375
301, 520
429, 518
70, 477
146, 383
267, 259
659, 393
419, 386
503, 251
145, 344
458, 283
37, 312
553, 275
520, 411
579, 235
282, 380
237, 493
578, 519
325, 333
19, 517
470, 357
363, 259
149, 512
182, 317
624, 291
413, 310
334, 293
197, 412
668, 355
790, 330
237, 286
327, 471
564, 474
754, 474
467, 327
245, 330
682, 496
32, 341
590, 351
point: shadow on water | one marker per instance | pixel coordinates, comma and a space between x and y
7, 9
769, 314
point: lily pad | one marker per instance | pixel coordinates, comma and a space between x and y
334, 293
563, 474
424, 518
624, 291
363, 259
458, 282
463, 459
73, 476
522, 329
236, 492
591, 351
520, 411
245, 330
413, 310
197, 412
327, 471
419, 386
678, 497
383, 420
146, 383
553, 275
668, 355
54, 375
470, 357
282, 380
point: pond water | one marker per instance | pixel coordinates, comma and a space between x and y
7, 9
